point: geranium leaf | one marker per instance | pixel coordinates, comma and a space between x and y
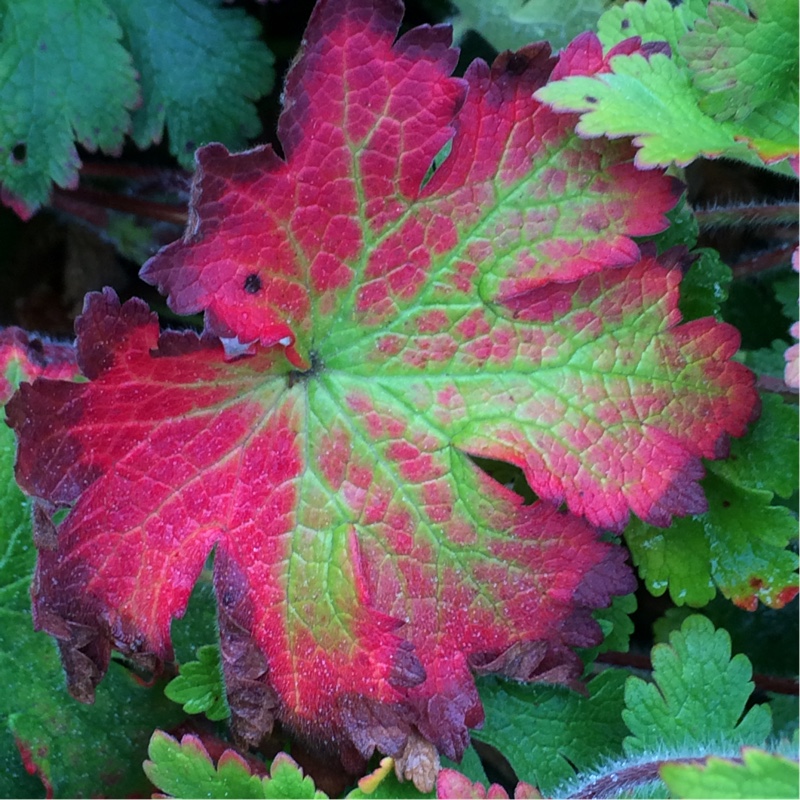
675, 100
201, 67
363, 564
199, 687
546, 733
185, 769
743, 59
50, 98
698, 695
758, 774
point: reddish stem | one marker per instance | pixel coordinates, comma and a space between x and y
166, 212
630, 777
768, 683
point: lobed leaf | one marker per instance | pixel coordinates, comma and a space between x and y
677, 102
201, 68
698, 695
91, 71
49, 98
759, 774
547, 733
199, 687
185, 769
389, 324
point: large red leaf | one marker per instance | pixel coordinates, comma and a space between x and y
363, 564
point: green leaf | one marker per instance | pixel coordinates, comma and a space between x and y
199, 687
64, 76
201, 67
511, 24
683, 230
739, 545
545, 731
705, 287
767, 458
653, 100
617, 626
767, 636
697, 696
744, 59
728, 88
760, 775
185, 769
786, 292
77, 750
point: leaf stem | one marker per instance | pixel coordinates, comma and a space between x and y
737, 215
609, 785
166, 212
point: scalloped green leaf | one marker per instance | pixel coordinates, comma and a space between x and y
199, 687
185, 769
697, 697
201, 68
547, 732
725, 88
64, 77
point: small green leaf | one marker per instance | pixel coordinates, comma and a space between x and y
727, 88
697, 696
201, 67
705, 287
767, 361
64, 77
617, 626
199, 687
760, 775
767, 458
545, 731
185, 769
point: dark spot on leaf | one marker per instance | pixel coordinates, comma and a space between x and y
726, 503
756, 583
517, 64
190, 146
43, 46
590, 99
19, 153
626, 23
252, 284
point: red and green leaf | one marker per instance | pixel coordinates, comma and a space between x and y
395, 323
